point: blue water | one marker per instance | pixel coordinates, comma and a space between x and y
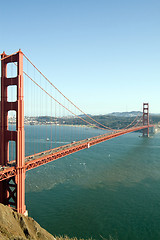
111, 189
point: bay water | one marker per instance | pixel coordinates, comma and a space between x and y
111, 189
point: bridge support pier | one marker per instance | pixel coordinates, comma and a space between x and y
146, 119
12, 191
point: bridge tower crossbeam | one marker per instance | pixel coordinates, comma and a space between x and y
12, 190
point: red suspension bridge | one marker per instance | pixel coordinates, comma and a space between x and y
12, 171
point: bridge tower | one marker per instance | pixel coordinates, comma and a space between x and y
12, 191
146, 119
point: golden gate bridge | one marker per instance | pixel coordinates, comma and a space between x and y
13, 170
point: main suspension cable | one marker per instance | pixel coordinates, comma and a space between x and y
64, 95
131, 122
59, 102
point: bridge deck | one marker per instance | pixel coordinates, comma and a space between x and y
39, 159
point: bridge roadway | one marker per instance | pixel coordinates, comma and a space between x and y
42, 158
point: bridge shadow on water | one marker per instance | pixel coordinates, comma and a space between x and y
110, 189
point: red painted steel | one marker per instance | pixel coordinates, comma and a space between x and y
12, 189
75, 147
146, 119
12, 174
42, 158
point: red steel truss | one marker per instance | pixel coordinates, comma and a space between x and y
12, 190
54, 154
12, 174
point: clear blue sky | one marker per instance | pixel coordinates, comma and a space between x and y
103, 55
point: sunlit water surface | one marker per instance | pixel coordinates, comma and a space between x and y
112, 188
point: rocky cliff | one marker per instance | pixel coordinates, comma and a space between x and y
14, 226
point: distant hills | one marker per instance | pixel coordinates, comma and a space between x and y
121, 114
130, 114
113, 120
126, 114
